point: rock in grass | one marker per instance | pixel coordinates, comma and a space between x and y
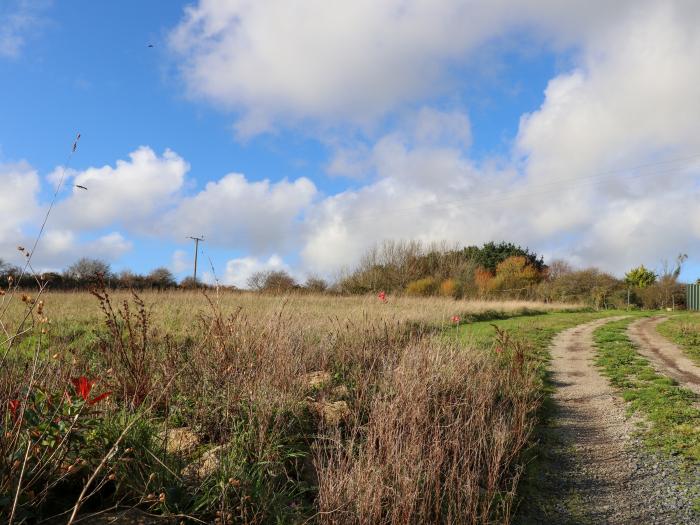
180, 441
340, 392
206, 465
316, 380
332, 413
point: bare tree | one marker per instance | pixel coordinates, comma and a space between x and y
88, 269
162, 278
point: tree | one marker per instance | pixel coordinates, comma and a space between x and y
557, 268
7, 268
257, 281
587, 286
490, 255
87, 269
640, 277
316, 284
514, 274
275, 281
162, 278
278, 281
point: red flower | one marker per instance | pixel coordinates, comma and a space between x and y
14, 407
83, 386
455, 319
499, 350
382, 296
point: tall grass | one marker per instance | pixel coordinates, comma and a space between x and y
329, 409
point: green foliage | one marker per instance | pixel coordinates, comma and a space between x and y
51, 439
640, 277
490, 255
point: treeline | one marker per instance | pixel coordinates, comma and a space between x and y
494, 271
87, 272
507, 271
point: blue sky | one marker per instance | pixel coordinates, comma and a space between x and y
296, 136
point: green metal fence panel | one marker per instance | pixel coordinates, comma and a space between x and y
693, 297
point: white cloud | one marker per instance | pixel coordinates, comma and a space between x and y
239, 270
132, 192
628, 100
235, 212
354, 61
19, 186
18, 18
59, 248
181, 262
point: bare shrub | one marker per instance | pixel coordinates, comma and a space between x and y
126, 346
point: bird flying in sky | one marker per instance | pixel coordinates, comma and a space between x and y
81, 187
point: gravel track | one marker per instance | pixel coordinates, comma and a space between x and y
596, 470
665, 356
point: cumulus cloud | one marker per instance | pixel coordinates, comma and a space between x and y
132, 192
605, 172
144, 196
279, 61
59, 248
233, 211
21, 214
238, 271
19, 185
568, 187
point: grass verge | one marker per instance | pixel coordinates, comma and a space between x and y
673, 419
684, 330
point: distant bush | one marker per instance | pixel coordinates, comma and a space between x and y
515, 275
422, 287
401, 266
316, 284
449, 288
483, 279
274, 281
589, 286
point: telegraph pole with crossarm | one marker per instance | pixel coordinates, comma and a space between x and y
196, 251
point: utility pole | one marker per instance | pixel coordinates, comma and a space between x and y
196, 251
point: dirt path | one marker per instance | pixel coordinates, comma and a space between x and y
595, 470
664, 355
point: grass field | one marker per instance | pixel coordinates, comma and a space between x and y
250, 408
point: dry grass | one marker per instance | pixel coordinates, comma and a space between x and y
174, 310
334, 409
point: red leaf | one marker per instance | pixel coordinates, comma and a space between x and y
100, 398
83, 386
14, 406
